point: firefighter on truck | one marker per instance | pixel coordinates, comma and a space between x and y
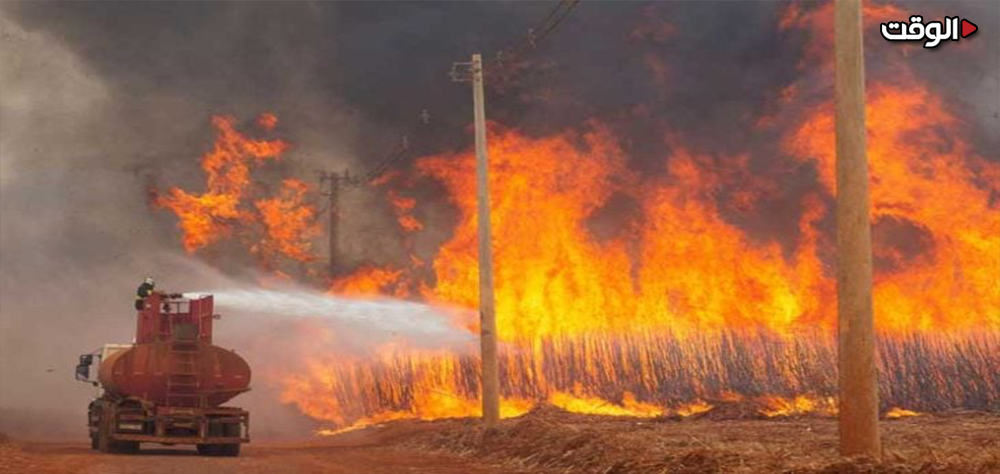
145, 289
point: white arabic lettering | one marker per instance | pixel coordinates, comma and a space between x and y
931, 33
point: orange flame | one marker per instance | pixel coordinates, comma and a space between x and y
643, 376
673, 302
281, 226
686, 270
683, 269
800, 405
578, 402
207, 217
552, 278
896, 413
288, 223
923, 175
369, 281
403, 206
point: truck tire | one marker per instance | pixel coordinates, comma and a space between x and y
104, 442
93, 441
125, 447
208, 449
230, 450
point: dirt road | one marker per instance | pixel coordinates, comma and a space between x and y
551, 441
78, 458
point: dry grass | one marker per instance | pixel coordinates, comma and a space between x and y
923, 372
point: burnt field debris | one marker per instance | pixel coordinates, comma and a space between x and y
722, 440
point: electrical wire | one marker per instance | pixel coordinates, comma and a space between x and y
501, 69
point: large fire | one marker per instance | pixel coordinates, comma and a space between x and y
675, 307
271, 227
682, 306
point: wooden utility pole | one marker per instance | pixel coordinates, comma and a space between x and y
487, 311
333, 194
856, 327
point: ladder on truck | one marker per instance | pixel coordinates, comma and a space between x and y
182, 384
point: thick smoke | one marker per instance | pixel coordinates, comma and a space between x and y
102, 100
92, 114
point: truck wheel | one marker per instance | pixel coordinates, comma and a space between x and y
231, 450
93, 441
126, 447
208, 449
104, 443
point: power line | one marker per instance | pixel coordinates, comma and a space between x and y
503, 66
507, 62
395, 155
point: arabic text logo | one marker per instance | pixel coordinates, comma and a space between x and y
931, 33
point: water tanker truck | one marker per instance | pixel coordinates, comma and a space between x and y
169, 386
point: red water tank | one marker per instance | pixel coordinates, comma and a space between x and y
174, 362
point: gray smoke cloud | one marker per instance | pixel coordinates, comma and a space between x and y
101, 101
81, 139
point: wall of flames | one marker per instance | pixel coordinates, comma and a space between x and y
683, 266
679, 309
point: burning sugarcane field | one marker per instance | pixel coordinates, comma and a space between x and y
500, 237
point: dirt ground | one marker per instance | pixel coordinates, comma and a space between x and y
724, 440
327, 457
552, 441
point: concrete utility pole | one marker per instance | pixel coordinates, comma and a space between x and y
333, 194
487, 311
341, 181
856, 327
